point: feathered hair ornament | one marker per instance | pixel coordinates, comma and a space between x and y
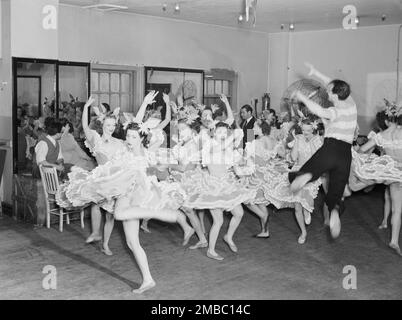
101, 113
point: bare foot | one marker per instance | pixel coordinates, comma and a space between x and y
145, 228
214, 255
396, 248
107, 251
302, 239
231, 244
187, 235
198, 245
300, 182
264, 234
93, 238
144, 287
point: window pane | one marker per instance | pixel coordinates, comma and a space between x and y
211, 87
218, 87
225, 87
94, 81
125, 103
114, 101
114, 82
104, 82
96, 97
125, 82
104, 98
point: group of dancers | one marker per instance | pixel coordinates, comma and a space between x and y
213, 165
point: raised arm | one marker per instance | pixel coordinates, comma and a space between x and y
168, 116
84, 119
314, 72
229, 110
367, 146
314, 107
149, 99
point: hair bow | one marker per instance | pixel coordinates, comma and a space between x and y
391, 109
100, 114
214, 107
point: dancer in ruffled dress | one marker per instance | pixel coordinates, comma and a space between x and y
219, 189
103, 146
304, 146
258, 154
387, 169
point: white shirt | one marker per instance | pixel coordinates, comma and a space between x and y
41, 150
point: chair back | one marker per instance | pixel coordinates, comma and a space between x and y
50, 179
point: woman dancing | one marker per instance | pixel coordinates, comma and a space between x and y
304, 146
103, 146
258, 153
384, 170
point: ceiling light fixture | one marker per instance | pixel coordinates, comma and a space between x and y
177, 8
241, 17
282, 26
164, 7
357, 21
291, 27
383, 17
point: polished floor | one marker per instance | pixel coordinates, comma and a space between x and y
274, 268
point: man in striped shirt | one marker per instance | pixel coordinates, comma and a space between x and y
335, 156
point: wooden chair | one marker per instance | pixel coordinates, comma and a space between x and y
50, 183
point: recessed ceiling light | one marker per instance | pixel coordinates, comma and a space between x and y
177, 7
357, 20
383, 17
291, 27
164, 7
282, 26
240, 17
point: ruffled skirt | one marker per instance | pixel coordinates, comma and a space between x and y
369, 169
206, 191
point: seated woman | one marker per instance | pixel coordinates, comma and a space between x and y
72, 152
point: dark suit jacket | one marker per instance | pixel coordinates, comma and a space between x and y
248, 126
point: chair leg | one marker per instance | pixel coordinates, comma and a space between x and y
68, 218
47, 216
82, 219
61, 221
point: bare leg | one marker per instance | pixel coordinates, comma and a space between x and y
262, 212
201, 215
96, 219
131, 230
144, 226
300, 181
217, 217
195, 222
123, 211
237, 213
387, 208
396, 199
107, 233
300, 221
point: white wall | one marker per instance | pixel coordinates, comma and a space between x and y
365, 58
129, 39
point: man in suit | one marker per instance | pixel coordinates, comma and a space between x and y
247, 124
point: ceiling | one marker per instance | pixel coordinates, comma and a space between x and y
305, 14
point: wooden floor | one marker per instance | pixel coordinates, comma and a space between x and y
275, 268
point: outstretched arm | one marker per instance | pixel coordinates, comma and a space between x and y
367, 146
314, 107
229, 110
314, 72
168, 116
149, 99
85, 125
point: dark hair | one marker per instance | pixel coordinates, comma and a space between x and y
381, 117
47, 121
341, 89
53, 127
399, 120
272, 111
195, 125
18, 122
65, 122
145, 138
106, 105
98, 125
265, 128
248, 108
222, 124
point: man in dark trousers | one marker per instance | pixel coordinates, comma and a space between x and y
247, 124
